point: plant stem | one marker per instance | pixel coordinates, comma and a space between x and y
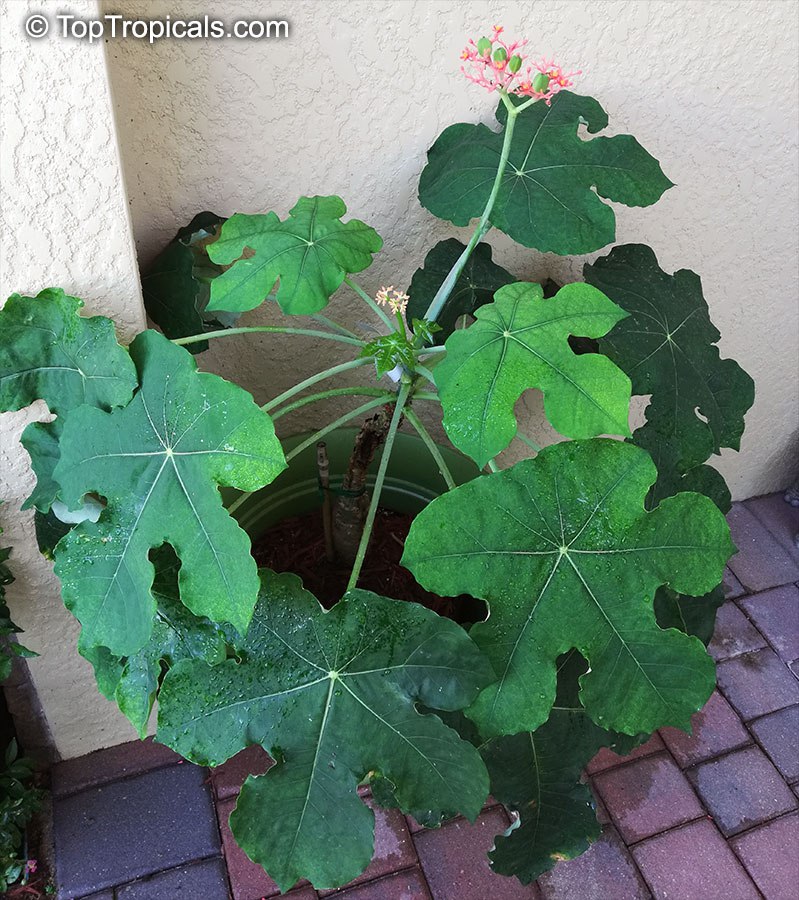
425, 435
428, 350
526, 440
369, 301
323, 320
442, 294
402, 398
427, 395
267, 329
334, 392
493, 466
342, 420
314, 379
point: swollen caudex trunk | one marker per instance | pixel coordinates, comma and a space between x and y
352, 503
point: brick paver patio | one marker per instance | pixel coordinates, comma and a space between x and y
710, 816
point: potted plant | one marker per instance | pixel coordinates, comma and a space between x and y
600, 558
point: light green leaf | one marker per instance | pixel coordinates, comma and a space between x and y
520, 341
49, 352
332, 697
158, 462
311, 252
563, 551
475, 287
550, 195
667, 347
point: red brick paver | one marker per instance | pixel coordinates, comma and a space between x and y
647, 797
716, 729
693, 863
770, 856
742, 789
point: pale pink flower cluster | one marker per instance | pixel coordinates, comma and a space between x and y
396, 301
495, 64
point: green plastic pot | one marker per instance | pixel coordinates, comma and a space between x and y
412, 480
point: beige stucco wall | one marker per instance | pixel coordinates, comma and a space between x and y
351, 101
64, 222
348, 104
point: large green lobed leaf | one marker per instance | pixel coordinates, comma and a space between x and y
49, 352
667, 347
550, 195
520, 341
332, 697
565, 554
158, 462
310, 253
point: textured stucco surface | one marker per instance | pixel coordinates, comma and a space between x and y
64, 222
351, 101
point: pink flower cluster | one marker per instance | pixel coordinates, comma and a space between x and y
397, 301
497, 65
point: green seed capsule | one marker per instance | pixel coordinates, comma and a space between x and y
515, 64
541, 82
500, 54
483, 46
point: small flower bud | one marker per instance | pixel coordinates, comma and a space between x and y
483, 46
541, 82
515, 64
500, 55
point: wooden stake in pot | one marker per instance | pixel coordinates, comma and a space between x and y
323, 465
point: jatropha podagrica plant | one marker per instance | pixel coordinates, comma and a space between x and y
599, 558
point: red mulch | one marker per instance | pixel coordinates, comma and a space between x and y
298, 545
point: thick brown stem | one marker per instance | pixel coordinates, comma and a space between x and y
352, 504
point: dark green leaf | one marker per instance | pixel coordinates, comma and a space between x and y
693, 615
176, 287
49, 352
563, 551
520, 341
311, 253
667, 347
546, 197
701, 479
537, 775
8, 647
475, 287
158, 462
332, 697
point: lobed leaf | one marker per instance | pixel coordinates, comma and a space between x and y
49, 352
550, 196
475, 286
310, 253
158, 462
667, 347
520, 341
332, 697
565, 554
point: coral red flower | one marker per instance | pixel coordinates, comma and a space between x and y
495, 65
